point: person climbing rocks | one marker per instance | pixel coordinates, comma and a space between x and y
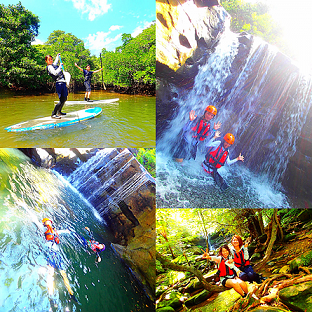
55, 71
94, 245
195, 131
87, 80
240, 255
227, 270
217, 155
54, 259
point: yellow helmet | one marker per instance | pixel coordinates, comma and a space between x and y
45, 220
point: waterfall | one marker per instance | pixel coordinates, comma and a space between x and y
264, 100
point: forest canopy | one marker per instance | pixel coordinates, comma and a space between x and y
22, 65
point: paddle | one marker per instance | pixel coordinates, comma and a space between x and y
66, 74
102, 72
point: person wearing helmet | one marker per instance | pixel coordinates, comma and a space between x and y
54, 258
217, 155
195, 131
95, 246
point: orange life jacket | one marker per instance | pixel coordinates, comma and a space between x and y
201, 130
224, 270
51, 234
239, 259
217, 157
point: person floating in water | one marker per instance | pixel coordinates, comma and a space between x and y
87, 80
54, 259
55, 71
217, 155
196, 130
227, 270
95, 246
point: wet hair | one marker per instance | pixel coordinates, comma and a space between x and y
46, 57
224, 247
240, 241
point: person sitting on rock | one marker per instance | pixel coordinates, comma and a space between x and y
240, 254
217, 155
227, 270
196, 130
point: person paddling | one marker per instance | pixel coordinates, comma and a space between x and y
55, 71
94, 245
227, 270
196, 130
217, 155
87, 80
54, 258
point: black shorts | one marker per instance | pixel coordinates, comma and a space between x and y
61, 90
88, 86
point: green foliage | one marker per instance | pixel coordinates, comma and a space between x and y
255, 19
134, 61
147, 158
18, 59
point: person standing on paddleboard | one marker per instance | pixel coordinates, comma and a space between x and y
55, 71
87, 79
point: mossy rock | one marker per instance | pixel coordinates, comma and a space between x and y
224, 301
165, 309
285, 269
256, 256
304, 260
173, 301
202, 296
289, 237
298, 297
268, 309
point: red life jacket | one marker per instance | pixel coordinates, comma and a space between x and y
51, 234
201, 130
217, 157
94, 245
239, 259
223, 269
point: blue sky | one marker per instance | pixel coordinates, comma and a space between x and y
99, 23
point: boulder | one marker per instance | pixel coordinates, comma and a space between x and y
298, 297
303, 260
202, 296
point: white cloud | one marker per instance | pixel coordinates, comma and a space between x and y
37, 41
139, 29
96, 42
94, 8
115, 27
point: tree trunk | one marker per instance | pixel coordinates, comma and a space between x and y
181, 268
271, 242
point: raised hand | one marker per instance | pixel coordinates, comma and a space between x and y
206, 254
240, 157
217, 125
217, 134
192, 115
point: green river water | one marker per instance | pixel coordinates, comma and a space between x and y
130, 122
29, 194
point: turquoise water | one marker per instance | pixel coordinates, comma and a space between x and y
29, 194
129, 122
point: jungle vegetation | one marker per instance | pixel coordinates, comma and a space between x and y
22, 65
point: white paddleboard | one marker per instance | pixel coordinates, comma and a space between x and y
97, 102
50, 123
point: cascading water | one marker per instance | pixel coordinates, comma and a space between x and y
28, 195
263, 100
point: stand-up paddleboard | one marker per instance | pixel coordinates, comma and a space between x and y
50, 123
97, 102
